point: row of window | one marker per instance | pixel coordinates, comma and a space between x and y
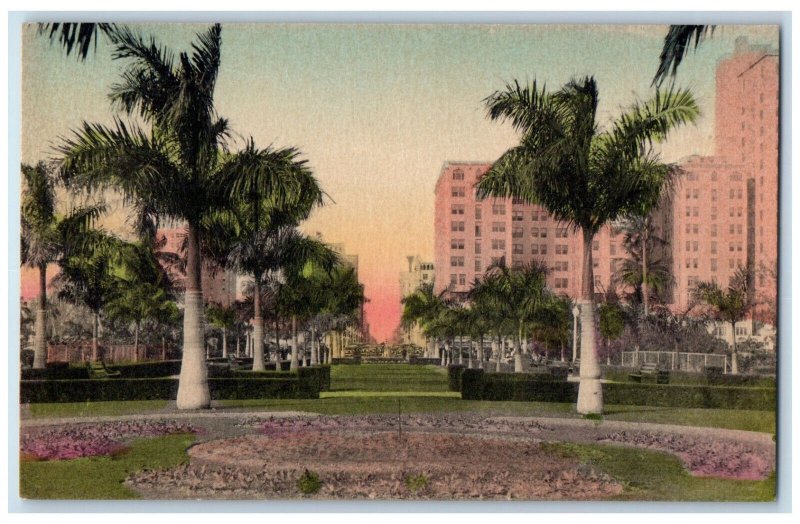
693, 263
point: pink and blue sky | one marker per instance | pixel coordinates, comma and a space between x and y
377, 109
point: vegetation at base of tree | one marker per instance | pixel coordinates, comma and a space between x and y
101, 477
659, 476
416, 483
309, 483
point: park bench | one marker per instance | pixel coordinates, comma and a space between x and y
650, 371
98, 369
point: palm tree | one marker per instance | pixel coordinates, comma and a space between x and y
421, 307
46, 238
176, 171
256, 235
676, 46
584, 176
343, 297
77, 36
731, 305
222, 318
648, 274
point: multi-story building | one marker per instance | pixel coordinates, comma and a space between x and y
726, 206
219, 284
472, 234
419, 273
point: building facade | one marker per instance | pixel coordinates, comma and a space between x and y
726, 205
419, 273
471, 235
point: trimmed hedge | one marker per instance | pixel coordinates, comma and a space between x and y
454, 372
32, 391
710, 377
477, 385
56, 373
424, 361
349, 361
164, 368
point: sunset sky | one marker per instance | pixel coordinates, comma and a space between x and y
377, 109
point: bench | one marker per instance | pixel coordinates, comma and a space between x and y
650, 371
98, 369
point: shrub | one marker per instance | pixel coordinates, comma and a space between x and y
416, 483
424, 361
60, 372
165, 368
454, 372
472, 384
349, 361
309, 483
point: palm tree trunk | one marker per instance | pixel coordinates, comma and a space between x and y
40, 336
734, 356
645, 299
447, 356
499, 353
258, 327
95, 335
518, 352
590, 392
461, 349
469, 355
163, 347
224, 343
193, 390
314, 347
136, 341
480, 352
294, 364
563, 354
238, 347
277, 343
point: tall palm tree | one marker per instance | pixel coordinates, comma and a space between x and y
47, 237
256, 235
176, 170
643, 269
421, 307
584, 176
224, 319
730, 305
78, 37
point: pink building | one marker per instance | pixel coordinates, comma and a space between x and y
726, 207
219, 285
472, 234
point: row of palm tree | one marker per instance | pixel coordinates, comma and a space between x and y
171, 160
506, 302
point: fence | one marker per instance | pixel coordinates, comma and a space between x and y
82, 352
673, 360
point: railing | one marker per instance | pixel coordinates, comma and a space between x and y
675, 360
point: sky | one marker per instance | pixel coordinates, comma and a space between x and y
377, 109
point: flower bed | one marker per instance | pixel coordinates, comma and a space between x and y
90, 440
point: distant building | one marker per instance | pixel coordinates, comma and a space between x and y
725, 209
419, 273
219, 285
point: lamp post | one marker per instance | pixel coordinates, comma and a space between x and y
575, 312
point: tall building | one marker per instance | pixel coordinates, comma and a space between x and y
419, 273
219, 284
725, 208
472, 234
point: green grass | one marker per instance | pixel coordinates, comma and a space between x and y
101, 477
95, 409
657, 476
389, 377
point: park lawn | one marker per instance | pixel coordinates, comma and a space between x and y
389, 378
94, 409
658, 476
101, 477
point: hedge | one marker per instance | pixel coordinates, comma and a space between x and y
710, 377
32, 391
350, 361
454, 372
61, 372
424, 361
477, 385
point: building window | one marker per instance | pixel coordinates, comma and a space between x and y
713, 230
457, 191
477, 248
496, 261
561, 232
695, 228
730, 229
613, 249
731, 263
543, 232
543, 249
477, 264
534, 249
456, 261
695, 246
498, 244
535, 215
713, 213
516, 249
561, 265
595, 263
453, 279
695, 211
561, 249
462, 279
595, 245
498, 227
516, 216
688, 211
458, 175
477, 230
713, 195
738, 211
714, 176
517, 232
535, 232
692, 281
688, 246
457, 243
713, 264
457, 226
477, 212
457, 209
498, 209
